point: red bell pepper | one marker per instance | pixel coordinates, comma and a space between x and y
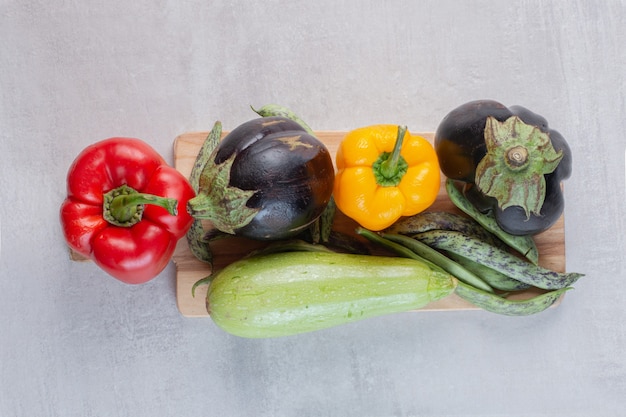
125, 208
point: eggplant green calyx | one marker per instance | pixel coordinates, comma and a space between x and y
123, 206
518, 156
218, 201
390, 167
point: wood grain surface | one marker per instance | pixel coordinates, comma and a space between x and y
551, 244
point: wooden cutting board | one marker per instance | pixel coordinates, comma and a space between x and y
551, 244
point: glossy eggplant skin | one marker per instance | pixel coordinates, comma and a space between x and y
290, 171
459, 139
460, 146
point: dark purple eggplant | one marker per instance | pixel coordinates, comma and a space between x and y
511, 162
268, 179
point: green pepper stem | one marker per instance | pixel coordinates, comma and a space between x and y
389, 168
123, 206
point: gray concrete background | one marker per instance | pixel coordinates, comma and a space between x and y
74, 342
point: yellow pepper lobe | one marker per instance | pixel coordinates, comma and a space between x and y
420, 186
357, 149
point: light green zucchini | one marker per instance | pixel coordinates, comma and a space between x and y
282, 294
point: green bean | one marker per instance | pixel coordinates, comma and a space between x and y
327, 219
198, 244
496, 258
409, 248
208, 147
447, 264
401, 250
525, 245
441, 220
344, 242
496, 304
494, 278
320, 230
277, 110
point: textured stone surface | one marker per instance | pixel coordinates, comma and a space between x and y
74, 342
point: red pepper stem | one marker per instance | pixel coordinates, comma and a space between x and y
123, 206
389, 168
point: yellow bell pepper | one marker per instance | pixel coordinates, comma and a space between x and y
384, 173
